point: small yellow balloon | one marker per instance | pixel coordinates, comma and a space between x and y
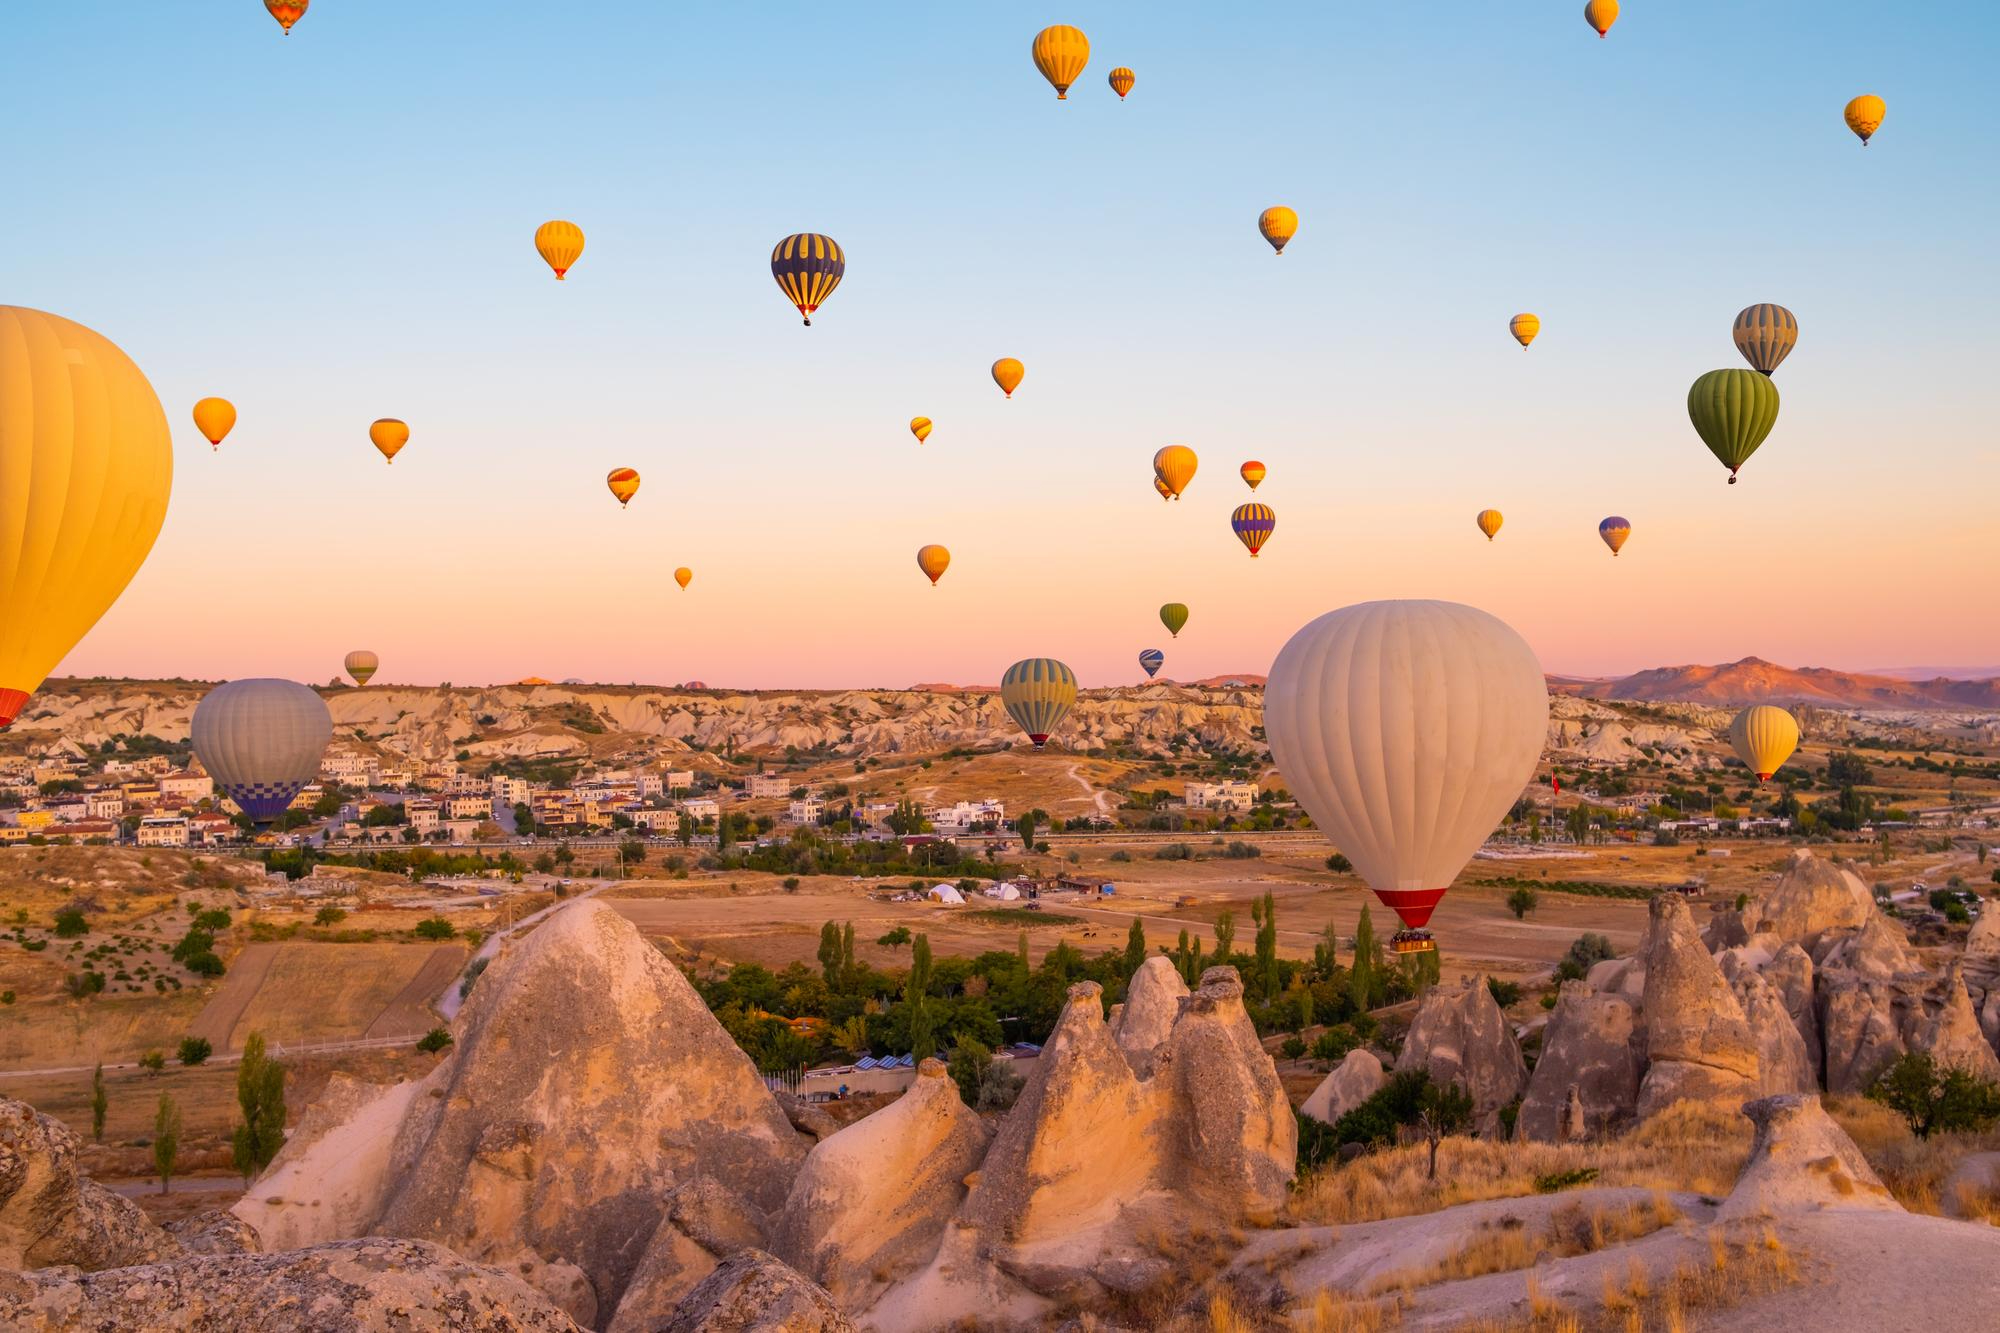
1278, 225
389, 435
624, 483
932, 560
1122, 80
214, 418
921, 428
560, 244
1007, 373
1489, 522
684, 576
1864, 116
1524, 327
1601, 14
1173, 468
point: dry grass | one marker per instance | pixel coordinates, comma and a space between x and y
1978, 1200
1685, 1148
1914, 1169
1509, 1246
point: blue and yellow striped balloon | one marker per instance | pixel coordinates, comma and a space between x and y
1253, 524
1038, 692
808, 267
1152, 659
1614, 531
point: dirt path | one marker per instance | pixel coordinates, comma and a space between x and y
1098, 799
218, 1018
410, 1012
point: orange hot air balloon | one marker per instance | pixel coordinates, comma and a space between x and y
214, 418
1007, 373
684, 576
1601, 14
560, 244
1173, 468
1253, 472
389, 435
1166, 492
1122, 80
287, 12
921, 428
624, 483
932, 560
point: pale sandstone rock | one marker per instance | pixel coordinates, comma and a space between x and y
331, 1178
50, 1213
1698, 1044
1353, 1081
1811, 897
1950, 1033
1592, 1056
1801, 1161
215, 1231
1858, 1031
1460, 1035
1783, 1064
1877, 951
1152, 1003
753, 1292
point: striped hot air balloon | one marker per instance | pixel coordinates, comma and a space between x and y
1864, 116
807, 267
261, 741
1253, 473
1122, 80
1489, 522
1613, 531
1165, 492
362, 665
1524, 327
1060, 53
933, 560
1174, 616
1733, 412
1038, 693
1152, 660
1278, 224
1766, 335
1253, 524
1173, 468
624, 483
560, 244
921, 428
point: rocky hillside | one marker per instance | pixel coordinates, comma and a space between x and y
1755, 681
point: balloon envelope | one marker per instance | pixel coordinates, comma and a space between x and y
1278, 225
261, 741
214, 418
1489, 522
921, 428
1601, 14
287, 12
624, 483
1252, 472
1060, 53
1764, 737
684, 576
362, 664
1174, 615
1038, 693
1864, 116
560, 244
1524, 327
932, 560
86, 466
1173, 468
1407, 730
807, 267
1766, 335
1733, 412
1152, 660
1007, 373
1122, 80
1614, 531
1253, 525
389, 435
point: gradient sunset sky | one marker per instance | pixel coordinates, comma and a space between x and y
335, 226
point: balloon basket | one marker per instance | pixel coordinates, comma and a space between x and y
1412, 941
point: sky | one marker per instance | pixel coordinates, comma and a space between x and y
337, 225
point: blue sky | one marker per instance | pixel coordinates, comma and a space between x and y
336, 226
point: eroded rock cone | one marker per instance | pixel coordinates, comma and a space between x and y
1461, 1036
1232, 1142
1592, 1056
1811, 897
1353, 1081
1699, 1047
52, 1214
753, 1292
1801, 1161
1152, 1003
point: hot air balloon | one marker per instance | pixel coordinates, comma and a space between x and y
1407, 730
1152, 660
808, 267
684, 576
261, 741
214, 418
389, 435
287, 12
1060, 54
1864, 116
1524, 327
362, 664
1174, 615
1038, 692
1252, 524
1764, 738
1173, 468
1489, 521
624, 483
921, 428
87, 462
1613, 531
1601, 14
1278, 225
1766, 335
560, 245
1253, 472
1733, 411
1007, 373
1122, 80
932, 560
1161, 487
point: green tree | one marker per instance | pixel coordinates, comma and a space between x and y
970, 1059
907, 819
195, 1050
1266, 914
847, 969
435, 928
1025, 826
434, 1040
329, 915
99, 1104
829, 952
153, 1061
1225, 937
70, 923
896, 938
1934, 1098
260, 1094
1021, 949
1522, 901
1364, 979
1445, 1108
1135, 947
166, 1139
1339, 864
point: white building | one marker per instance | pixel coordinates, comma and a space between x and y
1231, 795
966, 815
765, 785
678, 779
806, 810
163, 831
187, 787
699, 808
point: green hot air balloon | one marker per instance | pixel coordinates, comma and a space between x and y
1732, 411
1174, 615
1038, 692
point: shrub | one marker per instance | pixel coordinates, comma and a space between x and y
6, 997
329, 915
194, 1050
1293, 1047
205, 965
472, 975
1396, 1103
791, 884
1335, 1043
1174, 851
1339, 864
435, 928
1522, 901
434, 1040
1585, 953
70, 924
1121, 856
968, 1064
1935, 1098
1241, 851
153, 1061
212, 919
1556, 1181
1505, 993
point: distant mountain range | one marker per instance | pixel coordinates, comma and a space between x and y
1753, 680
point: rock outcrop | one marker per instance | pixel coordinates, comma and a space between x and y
1353, 1081
215, 1232
1811, 897
1783, 1064
1858, 1031
1461, 1036
1950, 1032
52, 1214
331, 1178
409, 1286
1801, 1161
870, 1203
1698, 1045
1876, 951
1232, 1144
1152, 1003
1592, 1057
753, 1292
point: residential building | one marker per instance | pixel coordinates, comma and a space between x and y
678, 779
186, 787
105, 804
699, 808
965, 816
35, 820
210, 828
83, 830
468, 805
164, 831
766, 785
423, 815
806, 810
509, 791
1228, 795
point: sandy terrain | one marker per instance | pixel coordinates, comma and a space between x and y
304, 992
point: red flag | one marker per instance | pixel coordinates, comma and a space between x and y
1555, 783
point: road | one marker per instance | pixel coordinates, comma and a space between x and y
232, 1057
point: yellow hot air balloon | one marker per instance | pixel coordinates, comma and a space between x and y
1060, 54
921, 428
1007, 373
1253, 472
1524, 327
684, 576
624, 483
1489, 522
933, 559
1161, 487
287, 12
1173, 468
1601, 14
362, 665
1278, 225
1864, 116
214, 418
1122, 80
1764, 738
86, 465
389, 435
1038, 693
560, 245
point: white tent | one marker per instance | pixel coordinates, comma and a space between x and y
1004, 892
948, 894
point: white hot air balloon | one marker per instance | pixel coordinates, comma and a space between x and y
1407, 730
261, 741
